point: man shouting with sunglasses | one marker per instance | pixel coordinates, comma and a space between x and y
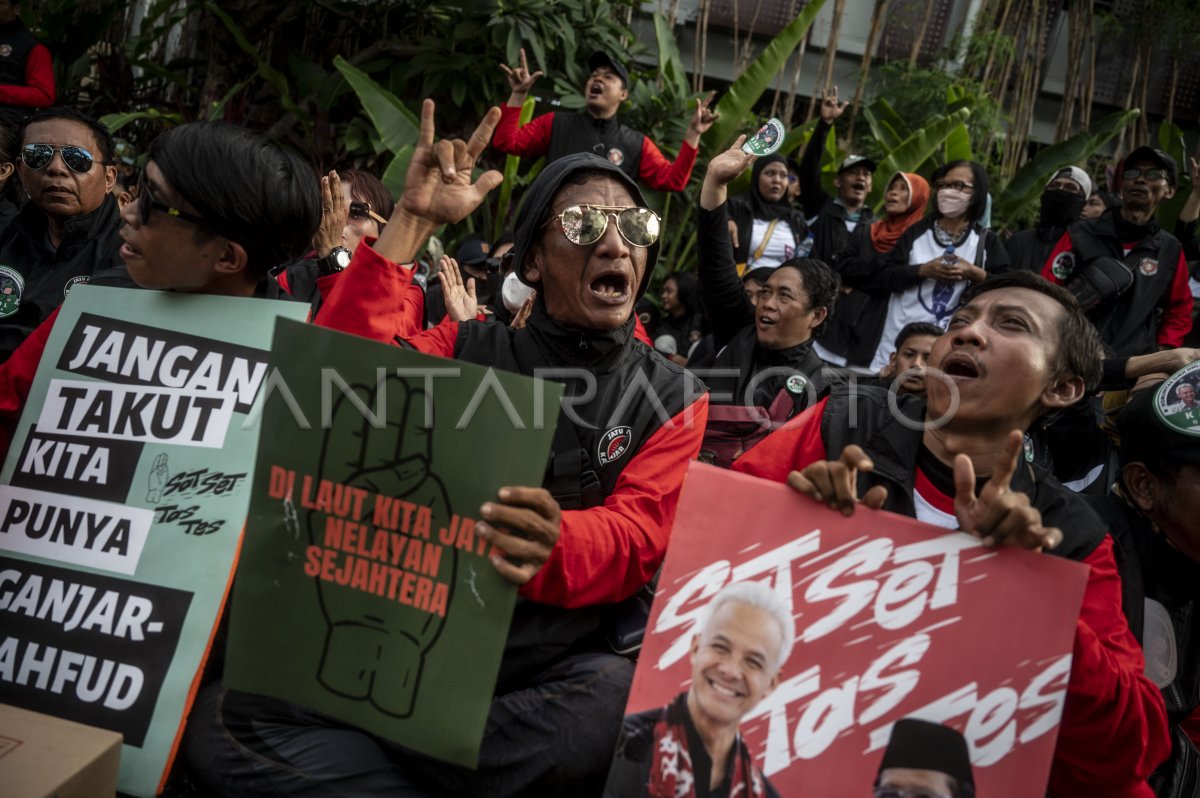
592, 534
67, 232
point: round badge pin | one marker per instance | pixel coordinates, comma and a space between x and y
796, 383
12, 285
767, 140
1177, 400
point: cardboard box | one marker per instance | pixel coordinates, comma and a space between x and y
46, 757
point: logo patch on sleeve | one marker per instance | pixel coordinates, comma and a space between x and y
614, 444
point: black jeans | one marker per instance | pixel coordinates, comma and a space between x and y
553, 737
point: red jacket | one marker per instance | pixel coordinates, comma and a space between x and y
38, 89
604, 553
532, 140
1114, 728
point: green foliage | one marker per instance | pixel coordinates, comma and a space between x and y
925, 93
744, 93
1022, 193
1171, 141
916, 152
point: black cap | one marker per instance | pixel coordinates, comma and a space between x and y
1156, 426
472, 252
921, 745
1159, 157
602, 59
853, 161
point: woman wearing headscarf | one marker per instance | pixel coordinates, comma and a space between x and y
937, 258
854, 332
765, 228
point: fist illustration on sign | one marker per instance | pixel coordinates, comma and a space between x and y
380, 623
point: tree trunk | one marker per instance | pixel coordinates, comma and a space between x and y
1170, 119
877, 18
789, 108
921, 32
700, 49
825, 77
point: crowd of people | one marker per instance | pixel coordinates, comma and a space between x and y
1035, 391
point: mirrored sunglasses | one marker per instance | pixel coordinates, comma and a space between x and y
585, 224
39, 156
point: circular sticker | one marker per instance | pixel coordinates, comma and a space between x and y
1177, 401
1027, 445
616, 156
12, 285
1063, 265
1148, 266
767, 140
74, 281
5, 50
796, 383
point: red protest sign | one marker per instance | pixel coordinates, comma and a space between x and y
893, 618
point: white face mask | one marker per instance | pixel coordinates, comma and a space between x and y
953, 203
514, 292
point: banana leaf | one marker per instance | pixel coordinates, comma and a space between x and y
1027, 184
670, 65
958, 145
915, 150
397, 126
511, 164
887, 126
738, 102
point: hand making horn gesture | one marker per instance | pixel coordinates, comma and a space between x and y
999, 514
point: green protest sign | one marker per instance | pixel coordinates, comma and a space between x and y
363, 591
122, 502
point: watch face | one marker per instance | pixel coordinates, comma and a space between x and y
341, 257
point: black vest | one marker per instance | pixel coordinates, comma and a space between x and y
894, 448
579, 132
588, 453
744, 355
1128, 325
16, 42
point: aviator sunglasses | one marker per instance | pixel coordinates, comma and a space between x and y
39, 156
585, 224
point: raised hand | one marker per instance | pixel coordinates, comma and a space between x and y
333, 215
524, 525
1195, 175
831, 109
835, 482
523, 314
702, 120
461, 302
999, 514
723, 169
519, 78
438, 186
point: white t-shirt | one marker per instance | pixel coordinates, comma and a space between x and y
781, 247
929, 300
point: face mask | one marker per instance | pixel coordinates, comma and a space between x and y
1061, 208
952, 203
515, 292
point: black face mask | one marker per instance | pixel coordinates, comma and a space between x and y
1061, 208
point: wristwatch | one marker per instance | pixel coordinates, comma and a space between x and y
337, 259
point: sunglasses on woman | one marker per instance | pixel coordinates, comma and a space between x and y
361, 212
585, 224
39, 156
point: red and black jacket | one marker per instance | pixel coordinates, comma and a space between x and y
1155, 310
1113, 732
618, 460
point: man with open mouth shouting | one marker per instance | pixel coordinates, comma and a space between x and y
597, 130
592, 534
1017, 351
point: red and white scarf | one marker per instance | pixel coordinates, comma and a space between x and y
671, 773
